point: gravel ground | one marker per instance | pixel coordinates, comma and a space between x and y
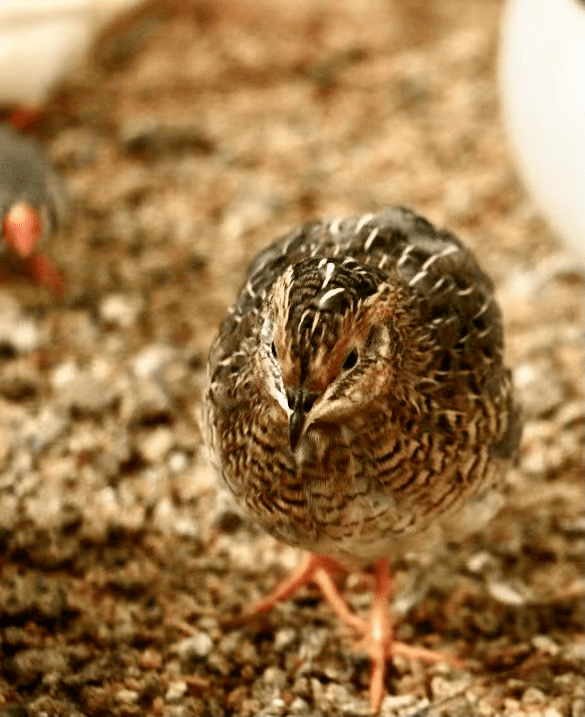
196, 132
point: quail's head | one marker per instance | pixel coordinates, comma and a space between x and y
335, 337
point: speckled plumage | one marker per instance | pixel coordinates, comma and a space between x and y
382, 335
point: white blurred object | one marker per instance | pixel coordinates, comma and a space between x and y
542, 84
41, 39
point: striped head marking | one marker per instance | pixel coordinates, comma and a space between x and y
327, 327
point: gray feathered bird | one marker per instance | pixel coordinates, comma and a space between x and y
32, 204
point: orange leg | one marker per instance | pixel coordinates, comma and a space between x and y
25, 118
376, 637
312, 568
378, 634
43, 271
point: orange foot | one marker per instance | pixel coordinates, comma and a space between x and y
375, 634
25, 118
377, 639
43, 271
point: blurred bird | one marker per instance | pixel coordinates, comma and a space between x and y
32, 205
39, 42
542, 86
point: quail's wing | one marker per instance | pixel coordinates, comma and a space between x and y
454, 299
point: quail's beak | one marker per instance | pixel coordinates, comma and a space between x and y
295, 427
21, 228
303, 402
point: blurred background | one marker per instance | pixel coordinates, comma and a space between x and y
188, 134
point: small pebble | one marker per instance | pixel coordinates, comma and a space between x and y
17, 331
397, 702
64, 373
150, 659
151, 360
444, 689
574, 527
176, 690
533, 696
539, 388
284, 638
277, 705
127, 697
195, 646
299, 706
477, 562
178, 461
149, 404
25, 336
505, 593
275, 676
15, 709
337, 694
156, 444
86, 395
545, 644
575, 652
167, 516
44, 428
120, 310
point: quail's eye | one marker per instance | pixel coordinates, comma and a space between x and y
273, 349
350, 360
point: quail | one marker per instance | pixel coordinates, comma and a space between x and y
358, 403
32, 204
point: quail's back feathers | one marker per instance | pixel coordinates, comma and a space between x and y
357, 391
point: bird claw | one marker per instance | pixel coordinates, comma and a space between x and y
373, 636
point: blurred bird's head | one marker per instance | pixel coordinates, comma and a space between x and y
32, 196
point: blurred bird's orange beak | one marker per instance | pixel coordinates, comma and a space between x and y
21, 228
